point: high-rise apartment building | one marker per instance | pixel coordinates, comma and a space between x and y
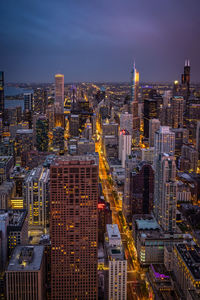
198, 137
74, 227
74, 125
164, 142
59, 92
189, 158
42, 129
23, 142
58, 138
25, 274
36, 197
126, 122
40, 100
2, 95
124, 145
28, 102
165, 192
154, 125
177, 107
130, 164
117, 264
142, 189
152, 110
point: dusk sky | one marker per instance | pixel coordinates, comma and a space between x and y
98, 40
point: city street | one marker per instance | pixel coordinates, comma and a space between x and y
135, 275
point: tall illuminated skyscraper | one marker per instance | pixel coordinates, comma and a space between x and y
36, 194
59, 92
164, 142
185, 78
177, 104
1, 95
124, 146
134, 103
74, 227
165, 192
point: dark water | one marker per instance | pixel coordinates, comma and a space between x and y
14, 91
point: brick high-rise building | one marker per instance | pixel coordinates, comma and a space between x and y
74, 227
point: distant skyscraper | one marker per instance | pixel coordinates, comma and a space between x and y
59, 92
28, 101
42, 139
198, 137
58, 138
124, 146
185, 79
177, 105
152, 110
164, 142
134, 103
40, 100
165, 192
142, 189
154, 125
74, 227
2, 95
126, 122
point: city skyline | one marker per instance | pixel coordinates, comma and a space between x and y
98, 41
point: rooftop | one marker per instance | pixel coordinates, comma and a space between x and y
113, 231
16, 218
24, 131
191, 256
147, 224
26, 258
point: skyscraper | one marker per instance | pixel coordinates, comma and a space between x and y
28, 102
152, 110
142, 189
164, 142
198, 137
36, 194
117, 264
42, 128
74, 227
134, 103
124, 146
59, 92
177, 105
185, 79
1, 95
40, 102
154, 125
165, 190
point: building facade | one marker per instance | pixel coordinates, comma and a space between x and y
59, 92
36, 197
74, 227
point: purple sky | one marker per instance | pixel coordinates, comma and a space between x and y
98, 40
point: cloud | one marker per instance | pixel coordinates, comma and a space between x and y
93, 40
